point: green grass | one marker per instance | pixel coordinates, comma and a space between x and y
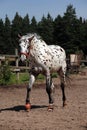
24, 78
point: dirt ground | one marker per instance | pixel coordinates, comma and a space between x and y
73, 117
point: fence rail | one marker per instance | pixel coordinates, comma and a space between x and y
17, 68
14, 58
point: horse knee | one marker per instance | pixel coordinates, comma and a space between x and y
28, 89
62, 85
48, 84
63, 91
48, 90
31, 81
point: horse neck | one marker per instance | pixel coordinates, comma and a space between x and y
34, 42
39, 41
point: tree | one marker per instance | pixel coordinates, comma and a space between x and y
45, 29
83, 37
26, 24
72, 29
16, 29
70, 13
67, 30
59, 31
1, 36
33, 25
8, 47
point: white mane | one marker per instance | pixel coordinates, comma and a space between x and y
32, 34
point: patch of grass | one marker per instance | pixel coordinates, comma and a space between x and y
24, 78
41, 77
54, 75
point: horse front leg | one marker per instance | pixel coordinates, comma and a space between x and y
31, 82
50, 92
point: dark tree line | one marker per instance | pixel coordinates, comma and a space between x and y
67, 31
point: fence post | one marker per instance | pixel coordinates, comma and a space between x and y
16, 53
17, 64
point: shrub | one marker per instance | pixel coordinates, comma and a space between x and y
5, 73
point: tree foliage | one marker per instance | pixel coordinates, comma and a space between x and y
67, 31
45, 28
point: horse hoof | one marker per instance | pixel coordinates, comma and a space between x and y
28, 107
50, 108
64, 104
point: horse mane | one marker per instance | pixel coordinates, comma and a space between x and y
33, 34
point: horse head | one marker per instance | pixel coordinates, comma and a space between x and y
25, 46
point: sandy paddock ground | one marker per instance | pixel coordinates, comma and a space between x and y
73, 117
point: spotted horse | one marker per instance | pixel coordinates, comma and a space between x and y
44, 59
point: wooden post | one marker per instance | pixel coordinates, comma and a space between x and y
17, 63
0, 62
2, 58
16, 53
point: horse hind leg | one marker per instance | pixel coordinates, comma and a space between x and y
62, 85
63, 93
50, 92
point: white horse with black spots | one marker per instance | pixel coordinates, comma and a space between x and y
44, 59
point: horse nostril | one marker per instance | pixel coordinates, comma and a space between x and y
23, 57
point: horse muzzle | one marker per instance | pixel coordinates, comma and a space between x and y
23, 56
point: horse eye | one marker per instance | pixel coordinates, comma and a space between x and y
24, 40
28, 47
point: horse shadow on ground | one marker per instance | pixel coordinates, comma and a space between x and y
84, 127
22, 108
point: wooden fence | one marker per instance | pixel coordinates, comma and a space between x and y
14, 58
17, 68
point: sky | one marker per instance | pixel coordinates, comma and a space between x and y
38, 8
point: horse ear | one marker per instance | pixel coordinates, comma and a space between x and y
31, 38
19, 36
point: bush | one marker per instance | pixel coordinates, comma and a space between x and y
5, 73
